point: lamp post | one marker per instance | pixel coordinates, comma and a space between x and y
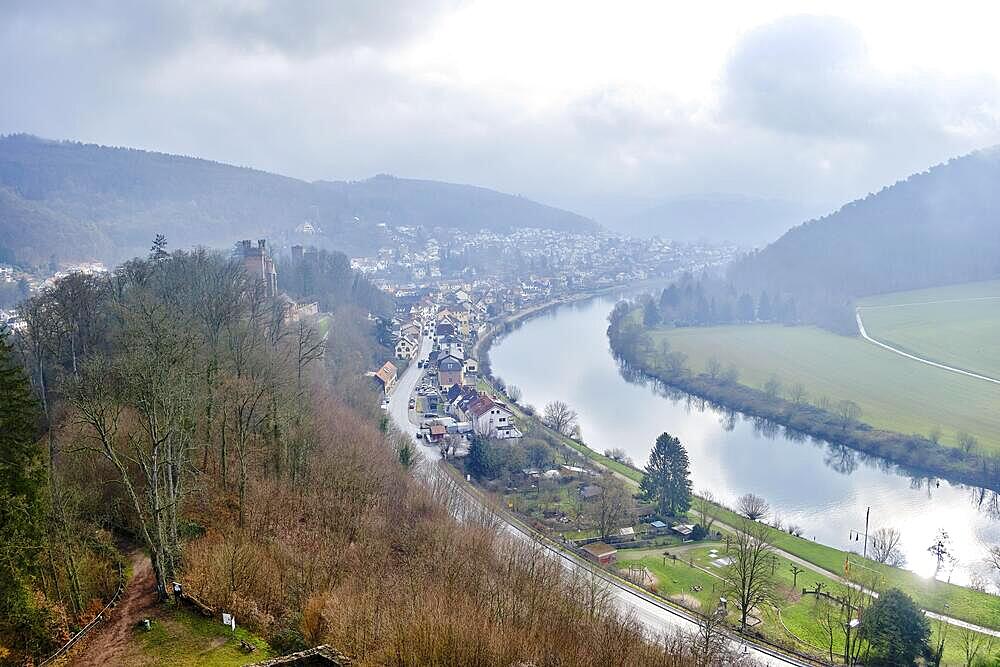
855, 535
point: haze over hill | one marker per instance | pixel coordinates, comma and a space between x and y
936, 227
745, 220
81, 201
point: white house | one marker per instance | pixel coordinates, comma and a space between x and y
405, 348
492, 418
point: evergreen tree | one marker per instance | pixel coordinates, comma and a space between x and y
667, 479
764, 313
896, 629
22, 485
651, 314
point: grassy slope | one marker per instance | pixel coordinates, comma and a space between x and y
894, 393
958, 325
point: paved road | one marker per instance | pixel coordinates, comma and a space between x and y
656, 616
896, 350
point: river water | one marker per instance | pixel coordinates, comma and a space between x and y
563, 354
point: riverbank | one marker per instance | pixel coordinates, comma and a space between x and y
914, 453
980, 608
480, 349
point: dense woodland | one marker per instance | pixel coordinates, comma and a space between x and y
710, 300
81, 201
936, 227
173, 408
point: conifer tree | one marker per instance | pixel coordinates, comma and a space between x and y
667, 479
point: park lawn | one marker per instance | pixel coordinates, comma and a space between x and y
956, 601
894, 393
958, 325
180, 637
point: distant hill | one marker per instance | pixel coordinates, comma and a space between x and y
81, 201
746, 221
937, 227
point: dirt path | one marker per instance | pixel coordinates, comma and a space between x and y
109, 645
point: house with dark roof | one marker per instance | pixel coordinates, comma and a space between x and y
450, 370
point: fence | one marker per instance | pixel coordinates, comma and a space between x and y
93, 623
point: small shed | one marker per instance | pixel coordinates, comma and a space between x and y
601, 553
683, 529
658, 527
437, 432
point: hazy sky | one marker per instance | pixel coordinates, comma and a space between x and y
574, 103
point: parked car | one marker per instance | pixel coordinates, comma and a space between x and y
413, 403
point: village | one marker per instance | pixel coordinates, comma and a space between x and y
453, 407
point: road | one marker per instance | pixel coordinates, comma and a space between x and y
896, 350
656, 616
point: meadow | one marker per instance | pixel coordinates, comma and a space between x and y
957, 325
894, 393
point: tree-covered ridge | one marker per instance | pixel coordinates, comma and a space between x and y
937, 227
83, 201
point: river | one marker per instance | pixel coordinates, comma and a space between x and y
563, 354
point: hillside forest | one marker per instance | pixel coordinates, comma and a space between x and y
172, 407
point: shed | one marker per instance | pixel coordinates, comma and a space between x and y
601, 553
683, 529
658, 527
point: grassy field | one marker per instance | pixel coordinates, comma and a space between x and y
894, 393
958, 325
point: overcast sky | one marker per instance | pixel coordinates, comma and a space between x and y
573, 103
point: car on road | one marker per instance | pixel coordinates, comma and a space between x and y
413, 403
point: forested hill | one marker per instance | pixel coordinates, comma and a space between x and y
936, 227
83, 201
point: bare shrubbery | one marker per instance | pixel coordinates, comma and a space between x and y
364, 557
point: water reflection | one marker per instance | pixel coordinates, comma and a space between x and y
564, 355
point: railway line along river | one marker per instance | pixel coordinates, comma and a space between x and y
563, 354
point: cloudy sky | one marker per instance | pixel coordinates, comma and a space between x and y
586, 105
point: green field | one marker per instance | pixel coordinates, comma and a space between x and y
958, 325
895, 393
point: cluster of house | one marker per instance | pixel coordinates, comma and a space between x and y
605, 552
586, 259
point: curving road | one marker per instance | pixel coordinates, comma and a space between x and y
896, 350
656, 616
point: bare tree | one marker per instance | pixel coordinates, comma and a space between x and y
797, 393
750, 578
848, 412
709, 644
559, 417
610, 508
884, 547
713, 368
514, 393
703, 505
772, 387
967, 443
753, 507
974, 644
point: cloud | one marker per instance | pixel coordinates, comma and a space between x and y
330, 90
812, 76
